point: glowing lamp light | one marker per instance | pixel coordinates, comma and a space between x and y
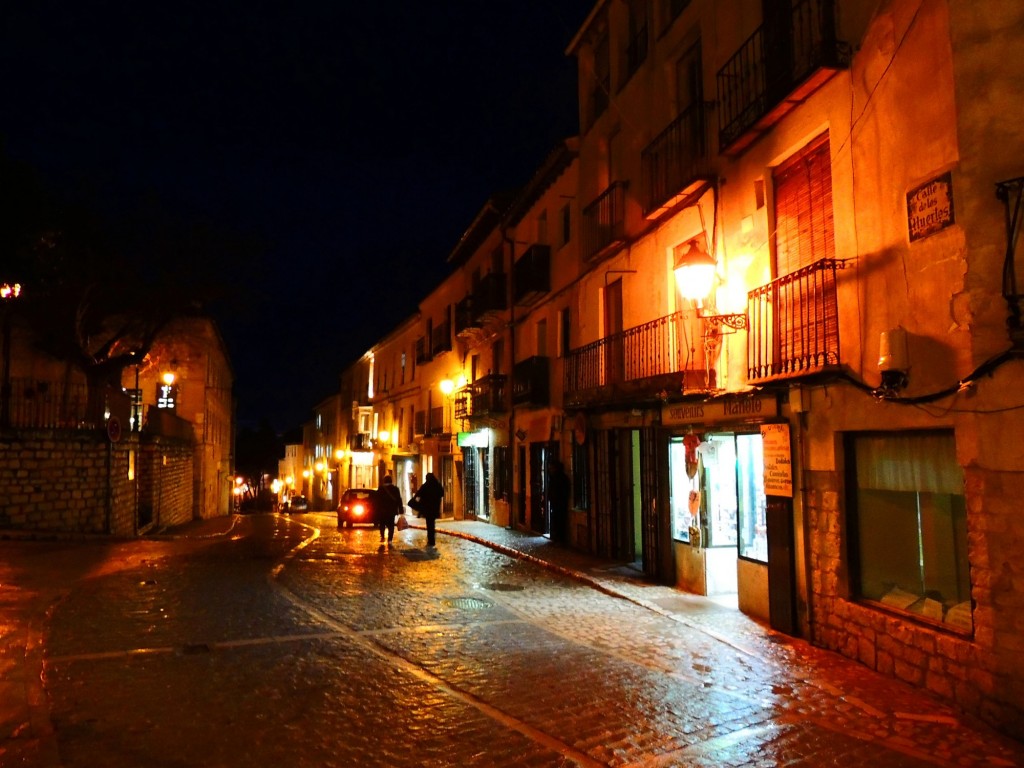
168, 378
339, 454
319, 466
383, 435
239, 480
447, 387
305, 473
695, 271
8, 291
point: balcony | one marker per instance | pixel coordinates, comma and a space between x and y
464, 321
487, 395
531, 275
531, 382
436, 425
441, 339
423, 350
794, 324
604, 222
360, 441
463, 404
779, 66
675, 168
490, 297
641, 363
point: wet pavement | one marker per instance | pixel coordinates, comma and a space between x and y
268, 640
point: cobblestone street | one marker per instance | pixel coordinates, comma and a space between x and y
284, 641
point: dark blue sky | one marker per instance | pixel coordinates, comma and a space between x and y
341, 148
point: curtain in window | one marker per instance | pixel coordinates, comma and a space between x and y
922, 462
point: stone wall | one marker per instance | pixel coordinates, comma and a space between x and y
77, 481
165, 482
981, 672
65, 480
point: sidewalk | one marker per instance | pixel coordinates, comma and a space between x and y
718, 617
822, 686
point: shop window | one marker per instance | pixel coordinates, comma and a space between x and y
750, 499
908, 525
685, 493
718, 484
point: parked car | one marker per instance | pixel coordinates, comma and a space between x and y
296, 504
355, 507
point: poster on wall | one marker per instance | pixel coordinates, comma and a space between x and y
778, 461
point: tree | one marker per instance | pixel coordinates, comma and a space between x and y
87, 299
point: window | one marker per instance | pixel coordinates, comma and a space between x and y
672, 9
601, 87
636, 45
564, 326
542, 227
908, 526
566, 220
542, 338
803, 208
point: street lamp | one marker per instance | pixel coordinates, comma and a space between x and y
8, 292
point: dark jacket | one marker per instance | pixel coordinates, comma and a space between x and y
387, 503
427, 501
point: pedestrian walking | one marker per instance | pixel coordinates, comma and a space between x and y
387, 505
427, 503
558, 502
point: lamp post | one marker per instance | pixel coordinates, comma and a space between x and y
8, 293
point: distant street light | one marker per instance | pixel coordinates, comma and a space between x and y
8, 292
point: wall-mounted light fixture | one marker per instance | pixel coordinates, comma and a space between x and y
696, 271
447, 386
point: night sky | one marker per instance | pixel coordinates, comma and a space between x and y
338, 150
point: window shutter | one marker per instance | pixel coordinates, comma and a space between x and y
803, 209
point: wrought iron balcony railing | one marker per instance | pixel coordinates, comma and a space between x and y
463, 318
423, 350
783, 62
360, 441
675, 165
441, 338
489, 395
644, 360
793, 324
604, 221
531, 381
436, 425
531, 275
490, 296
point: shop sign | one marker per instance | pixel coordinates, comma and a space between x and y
778, 460
473, 439
720, 410
930, 207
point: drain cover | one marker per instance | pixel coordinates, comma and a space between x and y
468, 603
498, 586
